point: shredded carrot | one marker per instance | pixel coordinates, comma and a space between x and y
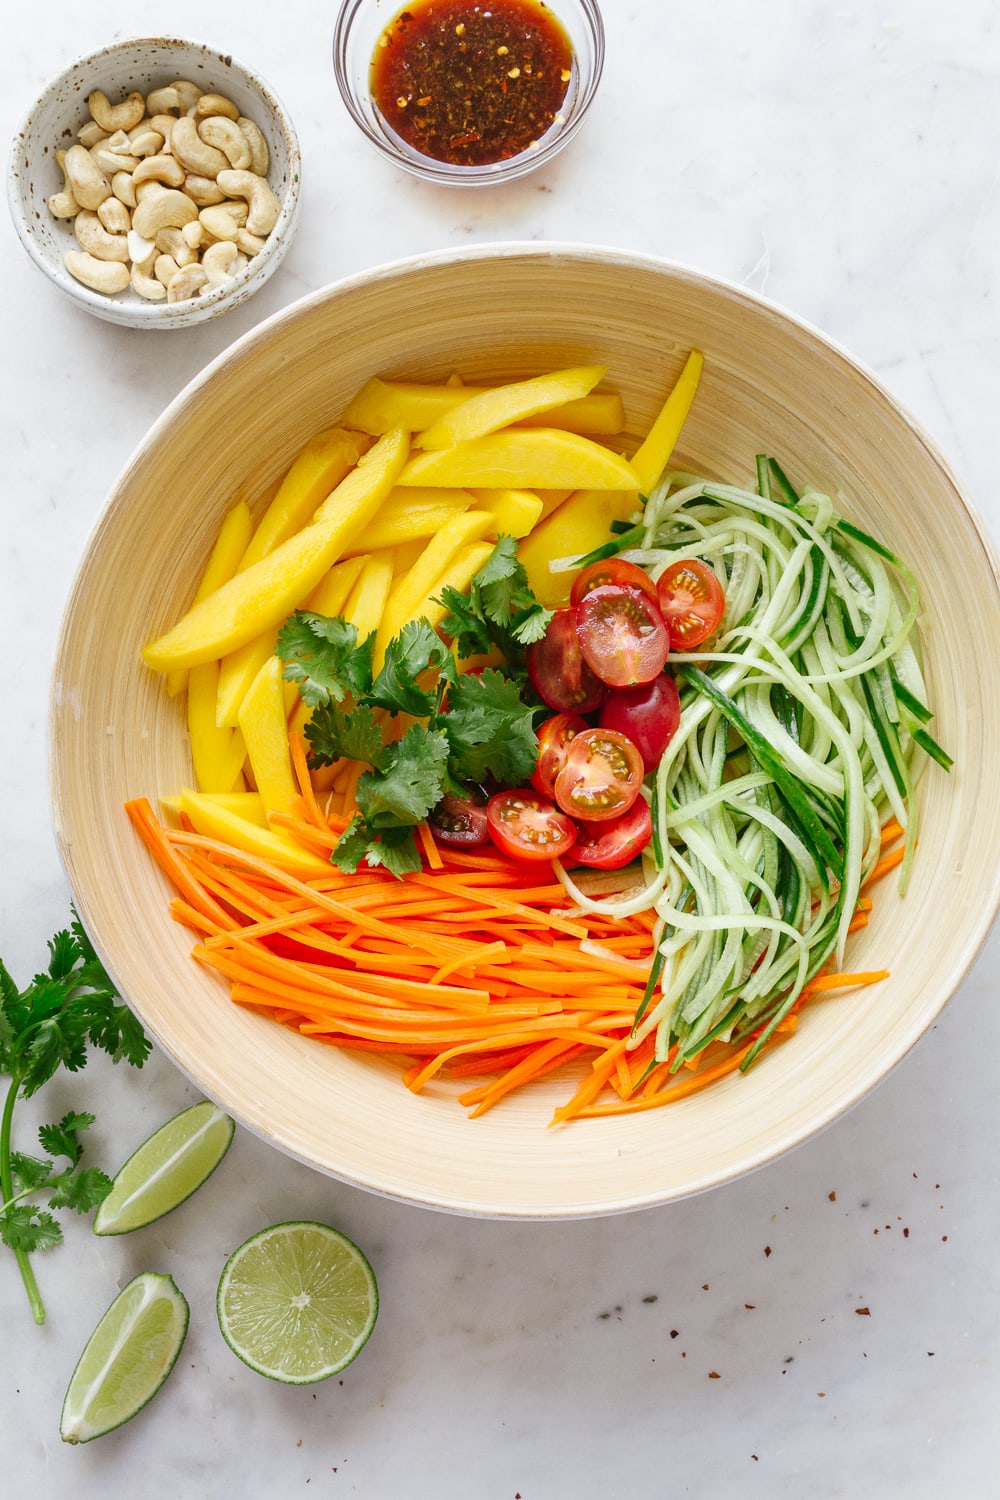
473, 966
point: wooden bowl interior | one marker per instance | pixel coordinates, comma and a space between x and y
770, 385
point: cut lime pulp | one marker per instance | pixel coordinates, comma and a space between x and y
297, 1302
166, 1169
126, 1359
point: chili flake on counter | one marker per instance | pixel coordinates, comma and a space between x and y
469, 84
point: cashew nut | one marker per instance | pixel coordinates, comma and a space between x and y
187, 283
107, 276
151, 188
63, 205
203, 190
159, 168
112, 117
193, 153
139, 250
114, 216
164, 124
163, 101
111, 161
188, 94
146, 285
145, 139
124, 189
250, 244
216, 104
260, 157
92, 236
166, 207
264, 206
227, 137
221, 222
194, 234
172, 242
91, 134
165, 268
221, 262
88, 183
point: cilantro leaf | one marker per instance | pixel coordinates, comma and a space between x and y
63, 1139
25, 1228
490, 729
410, 780
28, 1172
501, 609
395, 849
323, 656
80, 1191
334, 733
416, 649
117, 1031
464, 624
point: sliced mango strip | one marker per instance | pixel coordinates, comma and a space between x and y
265, 731
324, 461
217, 755
412, 589
581, 523
223, 561
523, 458
413, 514
217, 822
515, 511
486, 411
653, 454
263, 594
382, 404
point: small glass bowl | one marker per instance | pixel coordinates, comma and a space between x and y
355, 38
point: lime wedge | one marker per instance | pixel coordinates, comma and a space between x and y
126, 1359
166, 1169
297, 1302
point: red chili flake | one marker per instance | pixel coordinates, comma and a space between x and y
863, 1312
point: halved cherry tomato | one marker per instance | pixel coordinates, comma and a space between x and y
691, 602
622, 634
615, 842
561, 677
553, 741
459, 822
525, 825
601, 775
612, 571
648, 714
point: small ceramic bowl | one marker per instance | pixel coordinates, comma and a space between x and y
357, 36
51, 124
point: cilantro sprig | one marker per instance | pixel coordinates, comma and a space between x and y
469, 727
46, 1026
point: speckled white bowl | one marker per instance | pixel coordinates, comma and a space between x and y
51, 123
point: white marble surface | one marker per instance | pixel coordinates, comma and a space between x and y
828, 1327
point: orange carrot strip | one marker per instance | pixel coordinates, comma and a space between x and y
432, 853
885, 864
842, 981
153, 835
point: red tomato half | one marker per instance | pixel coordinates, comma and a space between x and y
525, 825
622, 634
459, 822
649, 715
553, 741
615, 842
691, 602
612, 571
601, 775
561, 677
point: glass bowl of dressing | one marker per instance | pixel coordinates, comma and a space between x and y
468, 92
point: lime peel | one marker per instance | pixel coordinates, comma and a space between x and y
126, 1359
297, 1302
166, 1169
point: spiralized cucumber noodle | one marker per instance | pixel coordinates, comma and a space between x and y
801, 734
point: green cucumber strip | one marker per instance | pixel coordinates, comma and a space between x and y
929, 744
786, 489
633, 537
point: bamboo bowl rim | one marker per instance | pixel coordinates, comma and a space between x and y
490, 310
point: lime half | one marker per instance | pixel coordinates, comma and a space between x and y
166, 1169
297, 1302
126, 1359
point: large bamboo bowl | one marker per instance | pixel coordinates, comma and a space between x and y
770, 384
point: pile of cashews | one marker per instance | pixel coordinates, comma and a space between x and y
168, 193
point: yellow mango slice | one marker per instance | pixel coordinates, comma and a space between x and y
458, 575
523, 458
223, 561
405, 555
413, 588
514, 511
383, 404
218, 822
487, 411
246, 804
217, 755
238, 669
263, 594
577, 526
366, 600
551, 499
651, 457
325, 460
265, 731
413, 514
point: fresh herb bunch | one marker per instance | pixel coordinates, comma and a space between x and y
42, 1028
469, 726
